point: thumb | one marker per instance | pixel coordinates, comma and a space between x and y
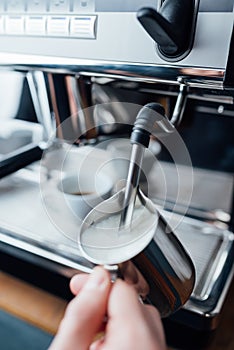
85, 313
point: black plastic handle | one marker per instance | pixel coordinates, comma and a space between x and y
19, 159
151, 120
171, 26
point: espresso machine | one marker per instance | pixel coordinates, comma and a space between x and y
81, 72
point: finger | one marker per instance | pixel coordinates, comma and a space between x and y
153, 319
133, 276
77, 283
84, 315
151, 313
123, 305
123, 301
97, 344
143, 324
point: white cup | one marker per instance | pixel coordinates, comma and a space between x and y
83, 191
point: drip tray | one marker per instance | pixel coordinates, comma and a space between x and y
208, 250
28, 224
212, 252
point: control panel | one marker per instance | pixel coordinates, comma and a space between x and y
188, 33
60, 18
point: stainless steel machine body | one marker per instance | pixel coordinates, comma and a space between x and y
75, 54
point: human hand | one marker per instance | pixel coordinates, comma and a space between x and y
129, 325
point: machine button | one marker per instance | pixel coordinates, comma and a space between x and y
83, 6
2, 24
36, 6
59, 6
14, 25
15, 6
58, 25
35, 25
83, 27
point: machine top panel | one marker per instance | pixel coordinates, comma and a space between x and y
77, 6
134, 5
100, 31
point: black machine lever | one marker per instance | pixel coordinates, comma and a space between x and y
171, 27
20, 158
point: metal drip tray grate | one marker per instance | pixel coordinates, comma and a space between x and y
208, 249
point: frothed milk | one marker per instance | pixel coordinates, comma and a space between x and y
104, 243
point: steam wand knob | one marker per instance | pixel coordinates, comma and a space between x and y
171, 27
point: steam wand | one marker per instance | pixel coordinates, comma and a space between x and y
180, 103
151, 120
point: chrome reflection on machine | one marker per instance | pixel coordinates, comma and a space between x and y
68, 69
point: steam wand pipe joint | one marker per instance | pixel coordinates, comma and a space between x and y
180, 103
